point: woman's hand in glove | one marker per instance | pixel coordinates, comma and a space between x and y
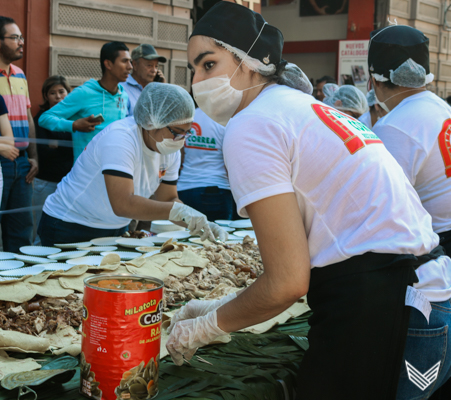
218, 232
198, 308
197, 222
190, 334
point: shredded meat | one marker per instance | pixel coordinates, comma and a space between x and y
41, 314
233, 266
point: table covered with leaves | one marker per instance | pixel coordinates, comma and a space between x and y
250, 367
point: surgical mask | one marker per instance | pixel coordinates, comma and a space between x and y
382, 104
217, 98
168, 146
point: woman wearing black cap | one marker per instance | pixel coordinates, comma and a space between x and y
333, 213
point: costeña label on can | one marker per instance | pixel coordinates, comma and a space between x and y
121, 337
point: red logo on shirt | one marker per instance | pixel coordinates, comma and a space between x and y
162, 171
197, 129
444, 142
342, 125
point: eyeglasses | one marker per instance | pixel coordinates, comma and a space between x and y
16, 38
180, 136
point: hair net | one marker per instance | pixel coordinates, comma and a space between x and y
163, 104
329, 90
346, 98
409, 74
371, 98
289, 74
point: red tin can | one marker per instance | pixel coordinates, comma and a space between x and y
121, 337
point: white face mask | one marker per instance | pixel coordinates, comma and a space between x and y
168, 146
382, 104
217, 98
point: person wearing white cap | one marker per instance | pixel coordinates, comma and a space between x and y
375, 112
122, 167
346, 98
416, 131
333, 213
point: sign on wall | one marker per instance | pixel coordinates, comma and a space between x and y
353, 64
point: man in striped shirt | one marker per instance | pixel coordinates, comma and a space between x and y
18, 175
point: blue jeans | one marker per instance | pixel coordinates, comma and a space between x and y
212, 201
41, 190
17, 228
53, 230
426, 345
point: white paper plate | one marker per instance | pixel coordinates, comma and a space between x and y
72, 245
151, 253
32, 260
89, 260
141, 249
175, 235
23, 271
162, 222
157, 241
105, 241
56, 266
124, 255
41, 251
232, 236
164, 226
242, 234
228, 228
241, 223
133, 243
10, 264
223, 222
4, 255
66, 255
97, 249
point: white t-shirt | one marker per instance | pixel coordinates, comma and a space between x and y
203, 164
353, 195
81, 197
417, 132
365, 119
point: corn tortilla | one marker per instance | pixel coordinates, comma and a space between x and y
17, 292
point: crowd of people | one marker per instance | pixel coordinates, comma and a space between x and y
348, 194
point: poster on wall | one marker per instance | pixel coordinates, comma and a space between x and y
312, 8
353, 64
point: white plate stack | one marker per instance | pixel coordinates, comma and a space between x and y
164, 226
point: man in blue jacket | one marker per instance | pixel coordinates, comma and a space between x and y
77, 112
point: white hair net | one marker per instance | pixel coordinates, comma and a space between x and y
291, 75
409, 74
329, 90
345, 98
163, 104
371, 98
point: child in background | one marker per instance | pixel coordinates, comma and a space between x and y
56, 160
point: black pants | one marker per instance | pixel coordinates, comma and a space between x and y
358, 328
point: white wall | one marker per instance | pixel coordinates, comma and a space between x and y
296, 29
314, 65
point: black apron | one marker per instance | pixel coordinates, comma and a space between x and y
358, 327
